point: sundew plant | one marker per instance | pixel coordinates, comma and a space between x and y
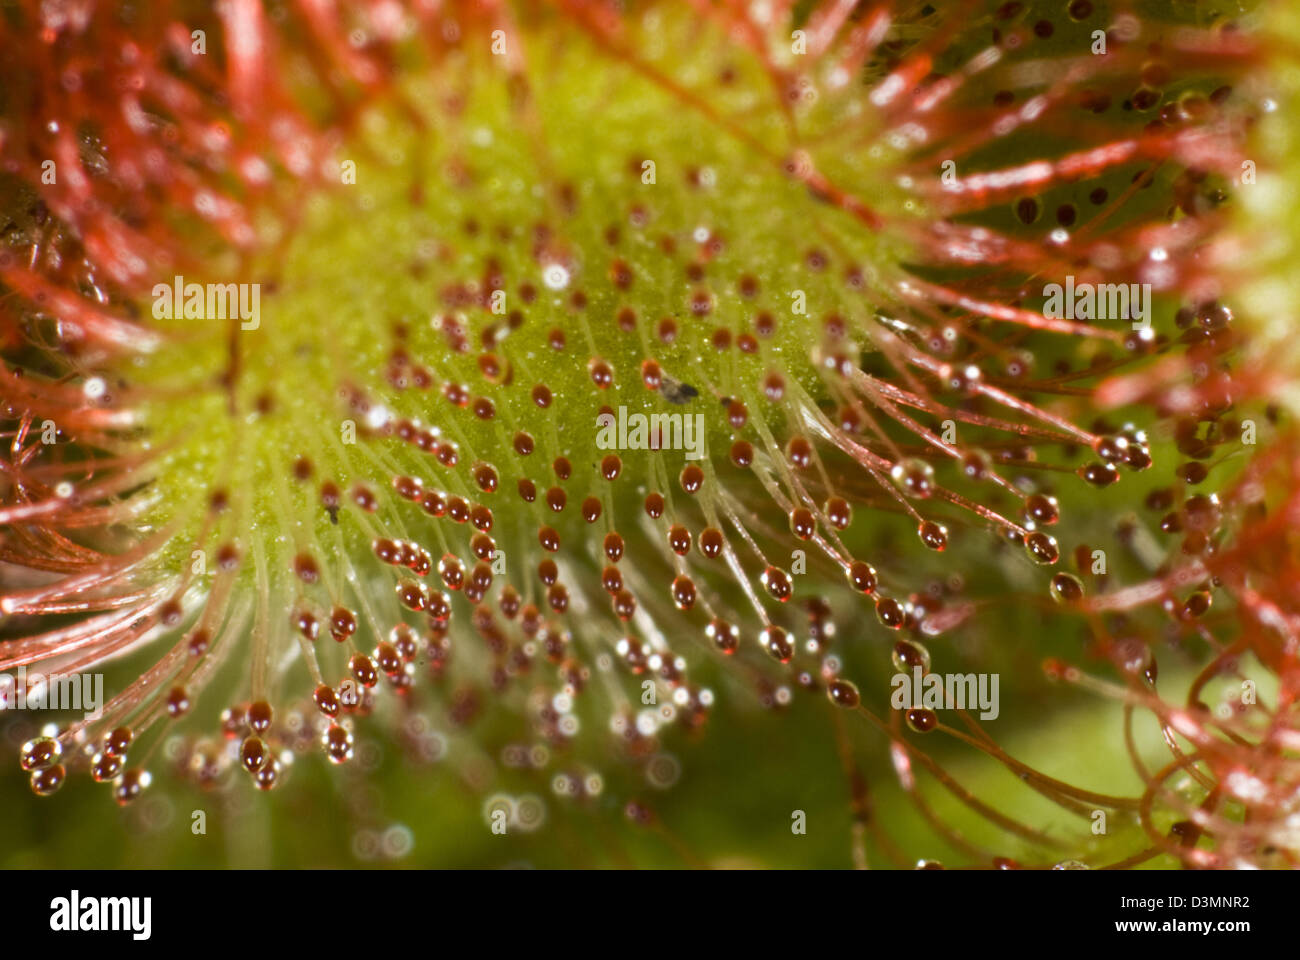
619, 433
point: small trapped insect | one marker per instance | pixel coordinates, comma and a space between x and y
674, 391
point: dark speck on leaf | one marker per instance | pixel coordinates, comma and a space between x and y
676, 392
817, 193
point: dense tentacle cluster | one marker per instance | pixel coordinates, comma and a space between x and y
594, 343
